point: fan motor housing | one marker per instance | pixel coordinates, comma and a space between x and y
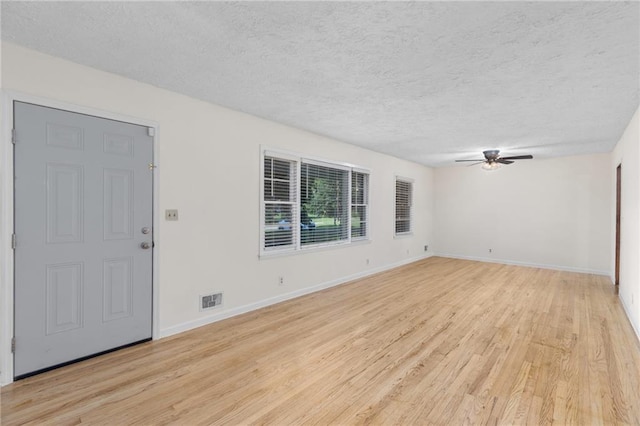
491, 154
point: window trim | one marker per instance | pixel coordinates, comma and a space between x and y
298, 159
410, 181
366, 204
296, 196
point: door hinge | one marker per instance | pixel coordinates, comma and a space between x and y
151, 131
13, 345
152, 166
13, 136
13, 241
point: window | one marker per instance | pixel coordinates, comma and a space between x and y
279, 203
359, 204
404, 189
324, 214
308, 203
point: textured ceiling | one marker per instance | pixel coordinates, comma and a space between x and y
428, 81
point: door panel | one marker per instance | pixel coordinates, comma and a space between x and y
64, 297
83, 193
118, 204
65, 199
118, 289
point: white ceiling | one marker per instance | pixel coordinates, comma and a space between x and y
429, 81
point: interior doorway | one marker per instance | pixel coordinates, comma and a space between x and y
618, 211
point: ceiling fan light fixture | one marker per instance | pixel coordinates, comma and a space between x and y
491, 165
492, 159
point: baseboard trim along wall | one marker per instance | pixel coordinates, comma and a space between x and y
189, 325
532, 265
627, 311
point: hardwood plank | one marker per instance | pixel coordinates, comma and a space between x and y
440, 341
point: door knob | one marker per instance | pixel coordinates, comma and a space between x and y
145, 230
145, 245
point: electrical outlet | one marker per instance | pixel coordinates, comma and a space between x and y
367, 261
490, 250
280, 280
171, 214
426, 247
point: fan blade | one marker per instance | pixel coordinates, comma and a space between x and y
503, 161
459, 161
475, 164
518, 157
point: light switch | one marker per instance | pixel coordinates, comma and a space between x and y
171, 214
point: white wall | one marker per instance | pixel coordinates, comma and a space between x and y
209, 170
549, 212
627, 153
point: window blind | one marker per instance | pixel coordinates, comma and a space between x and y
359, 204
324, 195
280, 208
403, 206
309, 203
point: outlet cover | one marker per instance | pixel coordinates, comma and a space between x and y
171, 214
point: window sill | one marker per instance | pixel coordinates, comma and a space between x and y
403, 235
311, 249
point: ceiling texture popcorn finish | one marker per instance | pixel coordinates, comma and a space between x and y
428, 82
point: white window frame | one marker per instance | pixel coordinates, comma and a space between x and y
299, 159
366, 203
295, 203
395, 199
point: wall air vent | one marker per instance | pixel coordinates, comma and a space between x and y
210, 301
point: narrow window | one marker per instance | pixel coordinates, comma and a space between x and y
359, 205
280, 219
404, 189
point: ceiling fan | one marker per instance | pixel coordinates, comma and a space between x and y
492, 159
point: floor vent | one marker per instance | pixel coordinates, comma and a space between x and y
210, 301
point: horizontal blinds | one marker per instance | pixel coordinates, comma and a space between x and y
403, 206
359, 204
280, 207
311, 203
324, 202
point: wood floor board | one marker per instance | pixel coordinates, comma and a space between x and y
440, 341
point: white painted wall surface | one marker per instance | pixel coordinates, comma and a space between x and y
627, 153
552, 213
209, 167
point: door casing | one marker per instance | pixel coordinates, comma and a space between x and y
7, 216
618, 225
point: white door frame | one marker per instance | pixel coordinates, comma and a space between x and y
7, 220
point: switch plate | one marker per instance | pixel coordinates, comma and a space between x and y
171, 214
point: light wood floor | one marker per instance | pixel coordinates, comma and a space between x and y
440, 341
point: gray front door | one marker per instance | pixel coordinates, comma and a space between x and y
83, 217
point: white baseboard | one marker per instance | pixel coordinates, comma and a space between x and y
627, 311
189, 325
533, 265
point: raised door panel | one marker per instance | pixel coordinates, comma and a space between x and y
117, 288
118, 204
64, 209
64, 297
